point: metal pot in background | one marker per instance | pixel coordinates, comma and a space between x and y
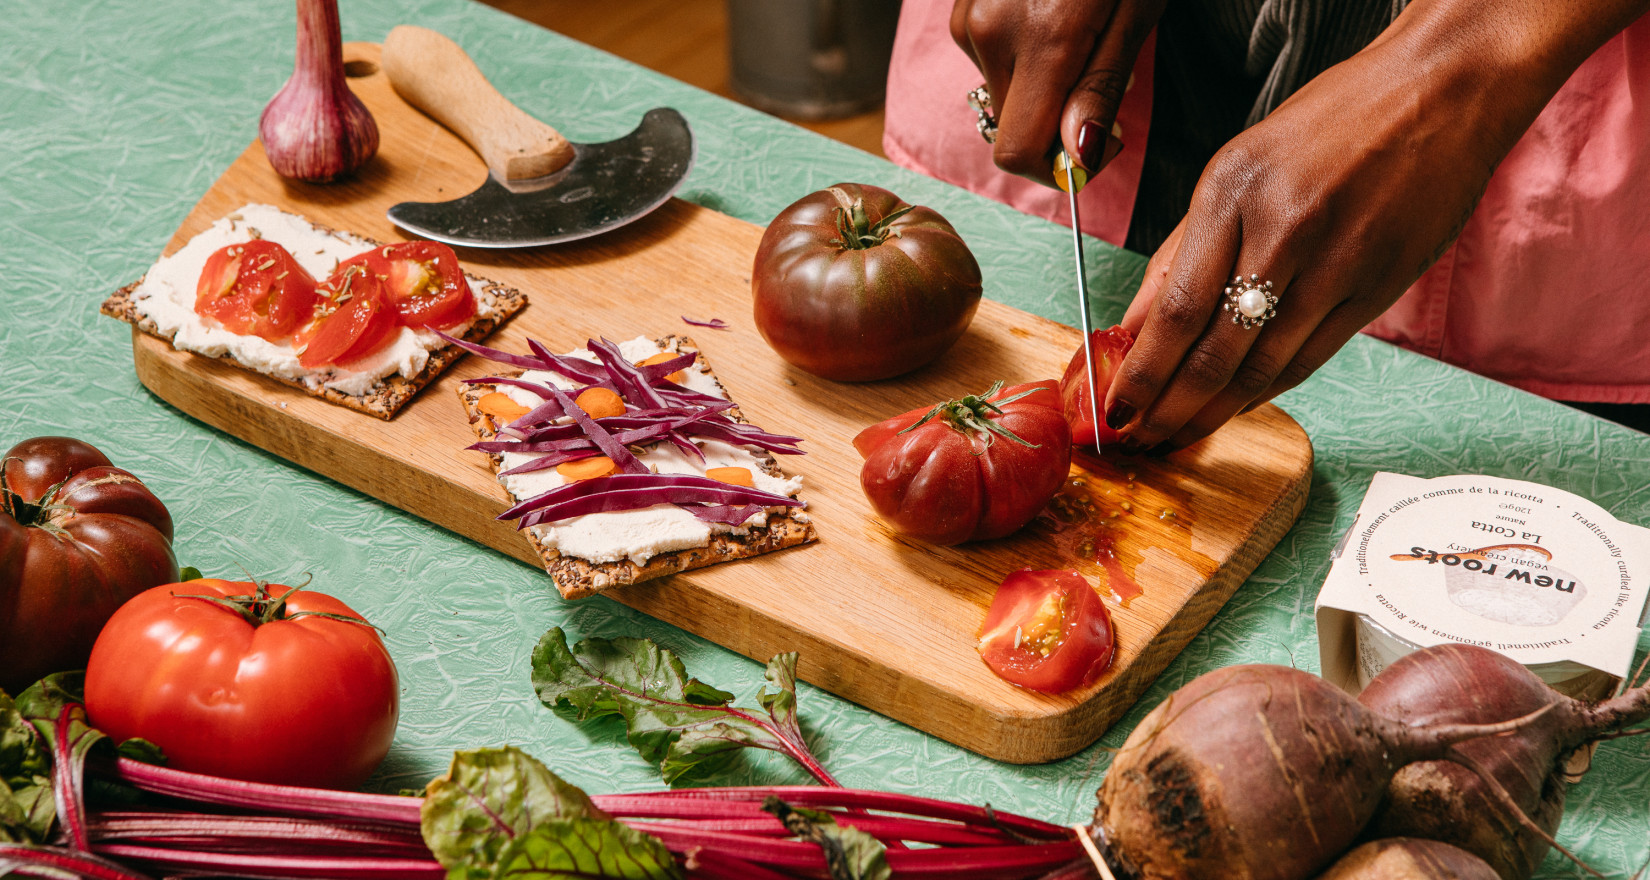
811, 59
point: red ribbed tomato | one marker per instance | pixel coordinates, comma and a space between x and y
853, 284
979, 467
247, 681
78, 537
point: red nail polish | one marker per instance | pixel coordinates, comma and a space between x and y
1119, 415
1091, 146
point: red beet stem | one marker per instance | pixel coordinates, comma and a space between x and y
284, 800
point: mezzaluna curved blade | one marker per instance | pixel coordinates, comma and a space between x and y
605, 186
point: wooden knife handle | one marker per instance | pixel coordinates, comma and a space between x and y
435, 75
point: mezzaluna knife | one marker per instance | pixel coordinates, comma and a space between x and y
1071, 178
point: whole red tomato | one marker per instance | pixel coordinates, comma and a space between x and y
1047, 631
1109, 347
979, 467
256, 289
853, 284
78, 537
250, 682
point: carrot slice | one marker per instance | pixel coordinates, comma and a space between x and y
586, 468
678, 377
500, 406
599, 403
737, 476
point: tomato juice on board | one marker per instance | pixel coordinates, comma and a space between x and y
1094, 522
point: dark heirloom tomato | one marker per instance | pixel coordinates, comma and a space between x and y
852, 284
78, 537
1109, 348
975, 468
1047, 631
256, 289
245, 685
353, 321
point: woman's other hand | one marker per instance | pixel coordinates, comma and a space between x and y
1056, 70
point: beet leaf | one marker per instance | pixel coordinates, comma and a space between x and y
488, 798
677, 723
850, 854
586, 847
26, 807
61, 735
501, 813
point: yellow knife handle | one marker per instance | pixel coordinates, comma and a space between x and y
1081, 177
435, 75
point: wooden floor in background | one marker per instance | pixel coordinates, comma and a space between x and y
683, 39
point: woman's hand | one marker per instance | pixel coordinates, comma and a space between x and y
1056, 70
1341, 198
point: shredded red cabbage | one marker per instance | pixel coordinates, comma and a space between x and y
493, 354
630, 491
713, 323
726, 514
664, 411
632, 383
604, 441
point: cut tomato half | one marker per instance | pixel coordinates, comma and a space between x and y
1047, 631
359, 325
256, 289
425, 285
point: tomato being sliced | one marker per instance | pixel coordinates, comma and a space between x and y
1047, 631
256, 289
360, 325
1109, 347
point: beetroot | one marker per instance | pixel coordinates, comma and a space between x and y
1408, 858
1450, 801
1256, 773
1442, 800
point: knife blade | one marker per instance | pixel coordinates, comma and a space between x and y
1072, 178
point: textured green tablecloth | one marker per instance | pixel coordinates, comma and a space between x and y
115, 117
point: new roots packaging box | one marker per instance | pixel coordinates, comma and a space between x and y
1545, 577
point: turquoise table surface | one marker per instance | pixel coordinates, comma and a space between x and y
115, 117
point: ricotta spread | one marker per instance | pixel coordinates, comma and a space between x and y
638, 535
166, 296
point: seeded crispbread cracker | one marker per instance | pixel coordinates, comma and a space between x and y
389, 393
578, 578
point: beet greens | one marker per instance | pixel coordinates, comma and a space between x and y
677, 723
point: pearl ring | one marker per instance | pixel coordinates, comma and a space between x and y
1251, 301
980, 100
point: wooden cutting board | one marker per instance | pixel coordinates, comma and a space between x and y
885, 622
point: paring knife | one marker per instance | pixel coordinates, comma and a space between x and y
1071, 178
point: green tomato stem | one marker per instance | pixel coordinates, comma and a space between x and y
854, 228
972, 414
